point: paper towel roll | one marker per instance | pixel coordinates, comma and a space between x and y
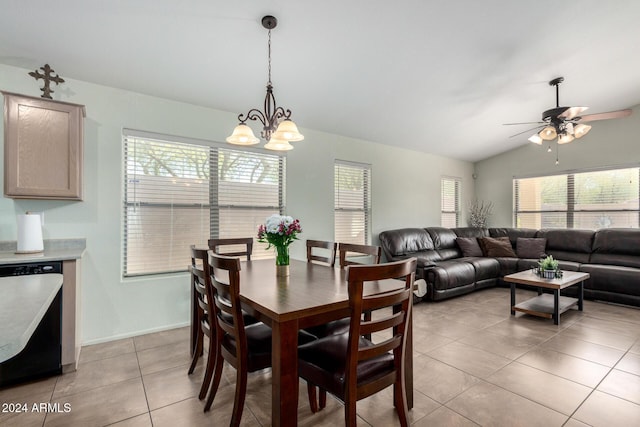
422, 288
29, 234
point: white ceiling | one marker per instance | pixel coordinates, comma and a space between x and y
436, 76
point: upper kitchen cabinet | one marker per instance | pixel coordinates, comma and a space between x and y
43, 146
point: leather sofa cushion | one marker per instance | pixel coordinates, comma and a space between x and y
469, 246
611, 278
509, 265
526, 264
485, 268
617, 241
569, 256
450, 253
471, 232
404, 241
616, 259
450, 274
443, 238
512, 233
425, 258
496, 247
328, 355
616, 247
569, 240
530, 247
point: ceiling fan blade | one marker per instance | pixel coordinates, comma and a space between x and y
605, 116
528, 130
572, 112
523, 123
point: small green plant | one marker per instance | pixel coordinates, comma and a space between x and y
548, 263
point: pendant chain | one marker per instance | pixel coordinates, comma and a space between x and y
269, 45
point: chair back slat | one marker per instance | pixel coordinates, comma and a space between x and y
345, 249
329, 256
377, 349
372, 326
216, 246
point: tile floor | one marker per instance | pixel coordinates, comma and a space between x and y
474, 365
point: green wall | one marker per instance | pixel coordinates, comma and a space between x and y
406, 193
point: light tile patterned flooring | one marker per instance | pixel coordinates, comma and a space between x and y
474, 364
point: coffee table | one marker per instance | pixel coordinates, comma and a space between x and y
547, 305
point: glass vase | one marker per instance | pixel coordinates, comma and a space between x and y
282, 261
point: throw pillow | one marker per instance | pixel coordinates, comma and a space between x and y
469, 246
531, 247
497, 247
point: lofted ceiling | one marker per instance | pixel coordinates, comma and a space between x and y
435, 76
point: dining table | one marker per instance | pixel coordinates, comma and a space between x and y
312, 294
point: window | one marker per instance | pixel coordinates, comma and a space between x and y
587, 200
450, 202
179, 192
352, 214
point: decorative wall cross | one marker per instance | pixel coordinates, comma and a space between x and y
48, 77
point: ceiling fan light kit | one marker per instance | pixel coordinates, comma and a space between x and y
277, 127
536, 139
548, 133
565, 123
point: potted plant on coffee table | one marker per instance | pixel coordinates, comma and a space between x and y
549, 267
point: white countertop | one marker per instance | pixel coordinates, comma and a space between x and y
23, 302
47, 255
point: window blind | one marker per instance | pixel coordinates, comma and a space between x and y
450, 202
178, 194
352, 204
586, 200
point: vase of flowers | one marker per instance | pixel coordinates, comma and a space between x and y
479, 212
279, 232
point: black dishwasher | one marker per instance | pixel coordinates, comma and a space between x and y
42, 354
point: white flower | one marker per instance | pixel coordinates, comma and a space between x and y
273, 223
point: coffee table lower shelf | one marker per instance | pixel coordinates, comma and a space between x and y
543, 305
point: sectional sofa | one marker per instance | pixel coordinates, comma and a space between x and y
610, 256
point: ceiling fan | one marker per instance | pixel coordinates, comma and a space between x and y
565, 123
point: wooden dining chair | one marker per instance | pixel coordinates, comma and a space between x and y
368, 252
329, 257
199, 269
233, 246
351, 367
216, 244
374, 253
245, 347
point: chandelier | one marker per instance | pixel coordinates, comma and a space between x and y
277, 127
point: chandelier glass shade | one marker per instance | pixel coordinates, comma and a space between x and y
278, 144
242, 135
277, 127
